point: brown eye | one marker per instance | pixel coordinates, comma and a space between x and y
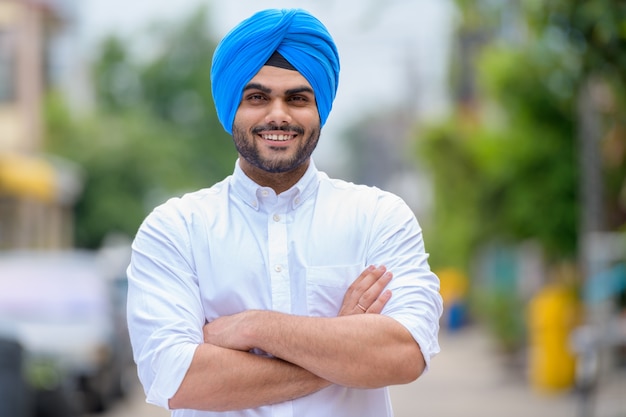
298, 100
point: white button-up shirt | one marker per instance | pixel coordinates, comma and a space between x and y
239, 246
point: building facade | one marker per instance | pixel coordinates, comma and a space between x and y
36, 191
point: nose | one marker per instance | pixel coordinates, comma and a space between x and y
278, 113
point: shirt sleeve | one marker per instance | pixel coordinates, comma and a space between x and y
164, 311
416, 301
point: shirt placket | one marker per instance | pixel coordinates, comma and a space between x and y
278, 262
281, 286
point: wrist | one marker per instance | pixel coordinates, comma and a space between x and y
258, 331
252, 327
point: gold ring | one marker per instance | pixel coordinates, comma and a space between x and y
361, 307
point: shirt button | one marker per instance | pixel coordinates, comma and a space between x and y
276, 218
297, 201
278, 268
264, 193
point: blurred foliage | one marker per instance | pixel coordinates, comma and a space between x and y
503, 311
129, 164
154, 132
505, 165
594, 35
595, 30
514, 182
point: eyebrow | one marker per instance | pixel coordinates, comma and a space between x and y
257, 86
264, 89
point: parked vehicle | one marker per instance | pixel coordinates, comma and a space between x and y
63, 309
14, 392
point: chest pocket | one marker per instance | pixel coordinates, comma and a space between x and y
326, 287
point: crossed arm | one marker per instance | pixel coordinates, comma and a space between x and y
307, 353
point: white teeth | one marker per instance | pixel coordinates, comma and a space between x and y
280, 138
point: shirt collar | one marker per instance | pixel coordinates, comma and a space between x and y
251, 193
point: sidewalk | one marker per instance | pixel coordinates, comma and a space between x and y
469, 379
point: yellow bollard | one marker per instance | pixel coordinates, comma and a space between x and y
552, 316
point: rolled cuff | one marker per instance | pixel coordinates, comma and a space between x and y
169, 371
425, 334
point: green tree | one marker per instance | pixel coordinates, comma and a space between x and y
509, 152
173, 85
154, 133
506, 164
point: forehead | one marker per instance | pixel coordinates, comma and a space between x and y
279, 79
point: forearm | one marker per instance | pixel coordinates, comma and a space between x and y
222, 379
361, 351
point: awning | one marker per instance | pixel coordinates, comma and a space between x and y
27, 176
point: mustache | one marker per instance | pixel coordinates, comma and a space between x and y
297, 129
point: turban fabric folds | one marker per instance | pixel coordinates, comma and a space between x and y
294, 33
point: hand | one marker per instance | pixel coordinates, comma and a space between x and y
367, 293
228, 331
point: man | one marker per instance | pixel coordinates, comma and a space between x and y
249, 298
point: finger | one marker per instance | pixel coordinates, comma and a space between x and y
363, 283
377, 306
366, 277
375, 290
355, 291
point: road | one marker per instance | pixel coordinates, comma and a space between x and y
469, 378
134, 406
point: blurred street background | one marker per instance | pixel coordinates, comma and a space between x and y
501, 123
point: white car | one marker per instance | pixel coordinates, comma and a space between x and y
63, 309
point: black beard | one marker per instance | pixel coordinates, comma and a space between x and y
248, 150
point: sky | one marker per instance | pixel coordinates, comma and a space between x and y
392, 53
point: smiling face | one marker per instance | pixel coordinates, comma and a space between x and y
276, 127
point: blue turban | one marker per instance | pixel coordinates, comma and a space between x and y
297, 35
